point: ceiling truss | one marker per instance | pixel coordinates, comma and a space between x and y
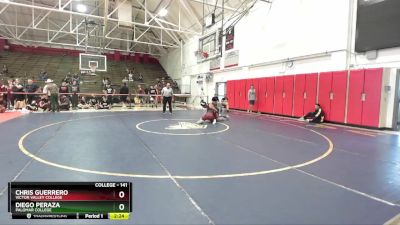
71, 30
56, 23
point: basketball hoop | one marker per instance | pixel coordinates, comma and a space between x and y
93, 68
201, 55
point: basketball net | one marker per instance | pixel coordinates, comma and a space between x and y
93, 68
201, 55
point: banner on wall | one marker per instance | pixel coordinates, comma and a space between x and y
231, 59
229, 38
215, 64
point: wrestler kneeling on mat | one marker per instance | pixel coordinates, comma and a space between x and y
211, 114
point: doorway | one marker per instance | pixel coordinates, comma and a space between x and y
220, 89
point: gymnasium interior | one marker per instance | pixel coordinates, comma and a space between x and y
200, 112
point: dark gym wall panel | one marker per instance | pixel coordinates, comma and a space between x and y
378, 23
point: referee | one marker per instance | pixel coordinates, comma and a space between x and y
167, 94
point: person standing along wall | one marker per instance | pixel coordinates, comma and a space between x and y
251, 96
31, 88
167, 94
109, 92
51, 89
75, 90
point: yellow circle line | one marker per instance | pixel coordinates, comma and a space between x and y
26, 152
177, 134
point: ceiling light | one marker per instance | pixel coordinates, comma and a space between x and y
163, 12
81, 8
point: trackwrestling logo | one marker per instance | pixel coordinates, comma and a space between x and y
186, 126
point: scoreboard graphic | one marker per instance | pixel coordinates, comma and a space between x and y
70, 200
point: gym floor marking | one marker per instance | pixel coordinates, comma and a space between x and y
26, 152
177, 134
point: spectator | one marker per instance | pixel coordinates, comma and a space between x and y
75, 90
64, 103
109, 91
146, 92
19, 97
5, 69
130, 76
317, 116
76, 78
106, 81
158, 92
44, 103
141, 94
31, 88
103, 103
51, 90
140, 77
174, 84
10, 96
32, 106
125, 80
3, 95
251, 96
153, 97
64, 88
124, 90
2, 100
83, 104
43, 76
93, 101
167, 94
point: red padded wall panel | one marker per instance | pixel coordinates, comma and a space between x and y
354, 106
311, 92
270, 95
287, 108
230, 92
243, 94
278, 92
325, 87
236, 104
299, 89
262, 94
338, 102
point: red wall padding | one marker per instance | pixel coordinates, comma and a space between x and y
299, 95
295, 95
278, 95
287, 102
310, 92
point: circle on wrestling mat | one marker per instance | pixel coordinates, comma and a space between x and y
180, 127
